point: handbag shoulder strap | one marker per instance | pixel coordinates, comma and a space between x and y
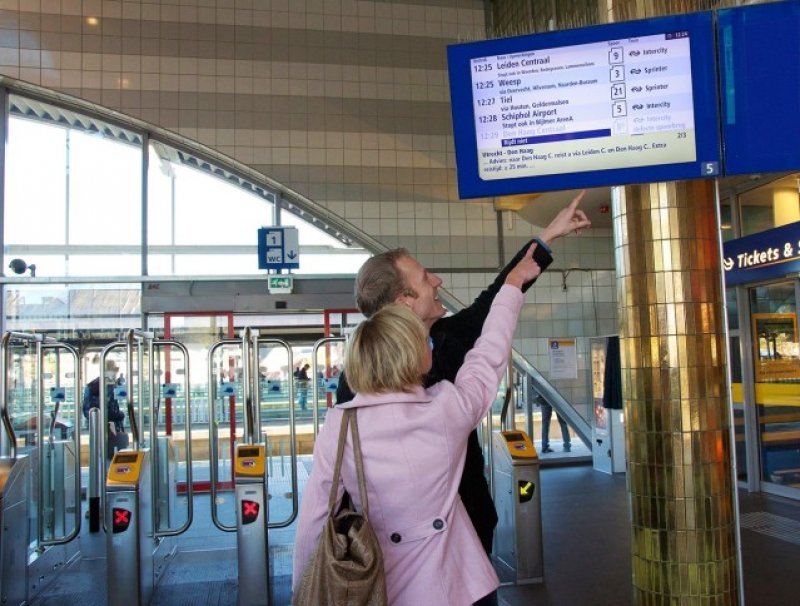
362, 482
337, 468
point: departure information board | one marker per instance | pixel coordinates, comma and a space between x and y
610, 104
605, 105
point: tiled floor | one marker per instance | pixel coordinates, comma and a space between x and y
587, 544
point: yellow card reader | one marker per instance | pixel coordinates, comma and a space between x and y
519, 445
250, 460
126, 467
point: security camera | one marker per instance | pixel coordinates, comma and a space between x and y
18, 266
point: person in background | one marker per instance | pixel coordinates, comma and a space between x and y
116, 436
547, 414
414, 443
396, 277
301, 382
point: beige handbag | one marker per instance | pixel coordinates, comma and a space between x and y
346, 568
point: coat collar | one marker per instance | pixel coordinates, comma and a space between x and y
418, 396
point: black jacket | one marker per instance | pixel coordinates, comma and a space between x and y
453, 337
91, 399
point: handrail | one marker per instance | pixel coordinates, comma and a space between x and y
292, 432
4, 364
187, 420
315, 383
213, 447
252, 422
135, 415
581, 426
101, 400
76, 438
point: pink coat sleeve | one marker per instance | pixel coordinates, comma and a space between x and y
314, 504
486, 363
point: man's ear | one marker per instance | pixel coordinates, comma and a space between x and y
404, 299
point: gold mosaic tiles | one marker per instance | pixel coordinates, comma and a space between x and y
673, 375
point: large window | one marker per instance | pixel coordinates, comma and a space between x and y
72, 200
74, 203
773, 205
74, 206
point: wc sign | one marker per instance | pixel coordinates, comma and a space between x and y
278, 248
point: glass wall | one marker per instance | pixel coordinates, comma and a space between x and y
72, 200
772, 205
776, 355
91, 230
73, 208
74, 205
764, 348
188, 206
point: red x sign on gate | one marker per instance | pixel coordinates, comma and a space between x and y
122, 519
249, 511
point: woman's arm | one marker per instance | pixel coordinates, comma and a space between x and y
486, 363
466, 324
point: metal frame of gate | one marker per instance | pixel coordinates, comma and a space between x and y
50, 556
134, 341
153, 552
250, 343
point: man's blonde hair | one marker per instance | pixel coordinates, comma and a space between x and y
386, 351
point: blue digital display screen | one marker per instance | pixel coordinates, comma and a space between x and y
622, 103
760, 87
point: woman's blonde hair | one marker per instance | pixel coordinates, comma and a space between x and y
386, 351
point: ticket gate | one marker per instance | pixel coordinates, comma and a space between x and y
129, 541
59, 497
39, 488
518, 551
141, 483
251, 524
166, 481
249, 464
14, 499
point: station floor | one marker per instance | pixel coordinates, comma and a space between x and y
586, 528
586, 546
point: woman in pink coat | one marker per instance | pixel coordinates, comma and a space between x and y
413, 442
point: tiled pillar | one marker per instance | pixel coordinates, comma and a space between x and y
677, 422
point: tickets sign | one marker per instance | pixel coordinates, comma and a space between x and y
763, 256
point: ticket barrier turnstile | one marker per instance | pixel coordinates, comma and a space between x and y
167, 489
14, 499
58, 494
518, 539
251, 524
129, 541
